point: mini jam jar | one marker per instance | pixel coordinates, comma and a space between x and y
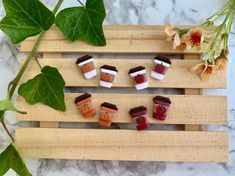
161, 107
107, 75
87, 65
139, 114
107, 114
139, 76
85, 105
160, 67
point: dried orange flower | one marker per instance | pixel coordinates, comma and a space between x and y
172, 35
183, 42
196, 37
205, 71
221, 63
199, 68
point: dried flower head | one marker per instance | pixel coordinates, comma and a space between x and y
172, 35
195, 37
203, 70
221, 63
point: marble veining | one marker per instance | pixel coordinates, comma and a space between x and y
130, 12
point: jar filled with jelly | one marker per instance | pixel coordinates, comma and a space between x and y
140, 115
160, 67
139, 77
161, 107
86, 105
87, 66
107, 114
107, 75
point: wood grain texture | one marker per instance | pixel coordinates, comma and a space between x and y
193, 92
120, 39
185, 109
178, 76
129, 145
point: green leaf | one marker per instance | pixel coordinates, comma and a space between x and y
1, 115
11, 159
47, 88
83, 23
7, 105
25, 18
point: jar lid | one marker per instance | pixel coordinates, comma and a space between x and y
138, 109
82, 97
109, 105
109, 67
83, 58
162, 99
163, 59
136, 69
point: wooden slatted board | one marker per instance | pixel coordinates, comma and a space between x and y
192, 110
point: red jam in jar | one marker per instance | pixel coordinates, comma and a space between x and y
161, 107
141, 117
139, 76
160, 67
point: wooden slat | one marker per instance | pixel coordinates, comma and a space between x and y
130, 145
193, 92
178, 76
120, 39
185, 109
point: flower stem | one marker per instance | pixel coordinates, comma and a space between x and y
56, 8
81, 3
13, 84
25, 65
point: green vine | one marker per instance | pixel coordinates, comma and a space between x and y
37, 20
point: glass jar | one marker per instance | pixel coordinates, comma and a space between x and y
139, 114
161, 107
160, 67
139, 77
107, 114
85, 105
87, 66
107, 75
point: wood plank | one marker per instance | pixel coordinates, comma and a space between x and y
129, 145
185, 109
120, 39
178, 76
193, 92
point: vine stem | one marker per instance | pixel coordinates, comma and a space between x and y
6, 129
13, 84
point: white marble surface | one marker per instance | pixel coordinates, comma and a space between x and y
131, 12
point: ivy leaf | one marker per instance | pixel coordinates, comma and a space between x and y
11, 159
47, 88
25, 18
83, 23
1, 115
7, 105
